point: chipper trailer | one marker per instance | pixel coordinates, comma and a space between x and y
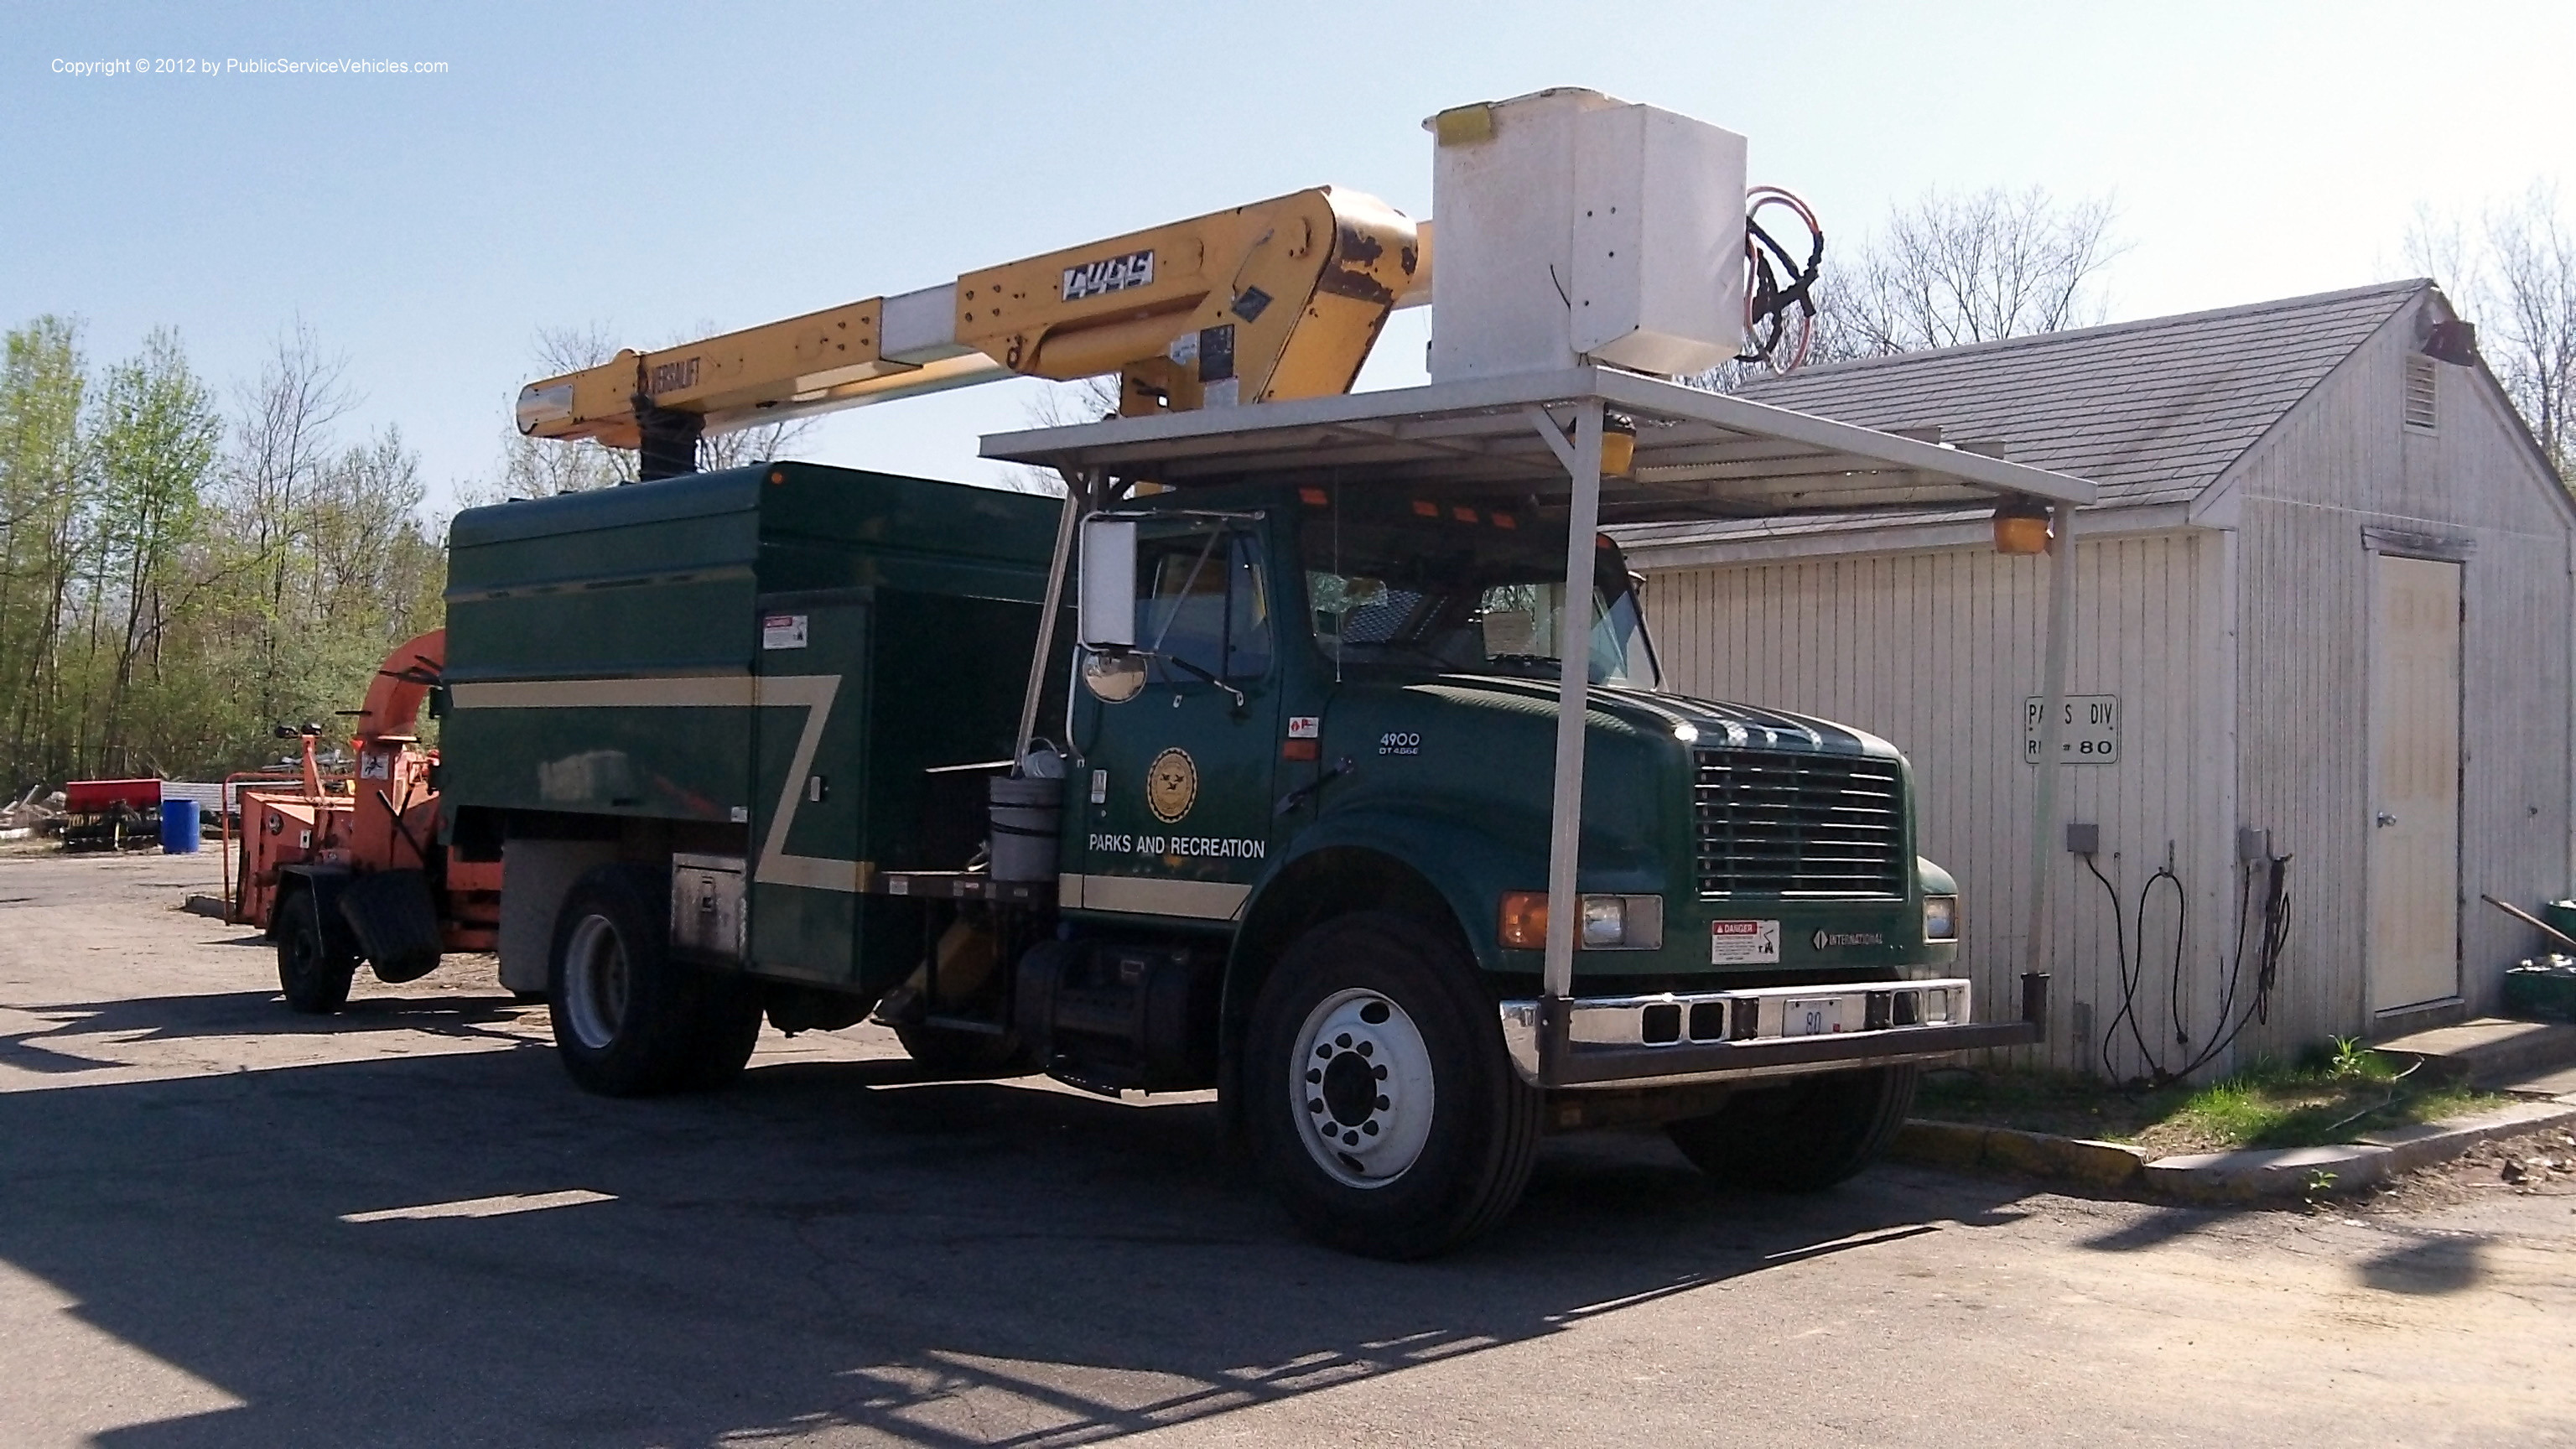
336, 871
1313, 750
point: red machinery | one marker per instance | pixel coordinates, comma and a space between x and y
111, 814
347, 868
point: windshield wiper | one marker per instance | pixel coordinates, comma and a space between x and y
1195, 668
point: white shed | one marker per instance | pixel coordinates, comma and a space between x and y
2326, 594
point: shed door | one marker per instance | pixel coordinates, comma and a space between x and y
2413, 946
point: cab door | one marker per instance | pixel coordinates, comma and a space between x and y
1178, 789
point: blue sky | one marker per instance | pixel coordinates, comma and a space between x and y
649, 167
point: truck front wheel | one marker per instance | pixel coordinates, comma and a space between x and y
314, 976
1803, 1136
628, 1020
1378, 1097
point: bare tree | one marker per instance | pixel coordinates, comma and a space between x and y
282, 440
1062, 405
2517, 275
1954, 269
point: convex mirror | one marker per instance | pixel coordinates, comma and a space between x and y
1116, 676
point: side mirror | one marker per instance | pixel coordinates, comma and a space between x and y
1107, 616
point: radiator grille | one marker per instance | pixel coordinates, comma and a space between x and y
1799, 825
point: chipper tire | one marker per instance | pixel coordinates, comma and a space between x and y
629, 1020
1376, 1027
1801, 1136
312, 973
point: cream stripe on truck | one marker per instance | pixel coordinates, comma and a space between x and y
814, 692
1200, 900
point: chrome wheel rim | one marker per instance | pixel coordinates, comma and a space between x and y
1360, 1088
595, 983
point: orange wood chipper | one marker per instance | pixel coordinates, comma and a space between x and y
348, 868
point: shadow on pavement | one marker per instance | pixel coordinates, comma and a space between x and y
133, 1020
2427, 1266
830, 1244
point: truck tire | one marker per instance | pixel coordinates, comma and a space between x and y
948, 1053
1377, 1095
1803, 1136
630, 1021
314, 976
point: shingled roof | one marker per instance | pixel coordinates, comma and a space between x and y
2151, 411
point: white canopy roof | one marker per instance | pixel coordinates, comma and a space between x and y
1699, 454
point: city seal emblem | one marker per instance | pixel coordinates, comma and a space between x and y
1171, 785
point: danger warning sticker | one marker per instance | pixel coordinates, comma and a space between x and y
1743, 943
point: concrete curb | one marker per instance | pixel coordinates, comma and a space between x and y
2249, 1175
1962, 1147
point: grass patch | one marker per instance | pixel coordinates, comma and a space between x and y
2331, 1096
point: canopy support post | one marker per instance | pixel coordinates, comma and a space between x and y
1574, 686
1079, 489
2052, 709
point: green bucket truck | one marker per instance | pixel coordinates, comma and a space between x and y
1270, 812
1313, 749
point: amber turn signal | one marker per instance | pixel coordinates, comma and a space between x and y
1524, 920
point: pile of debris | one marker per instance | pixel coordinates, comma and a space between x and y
39, 812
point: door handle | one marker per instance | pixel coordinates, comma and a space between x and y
2386, 819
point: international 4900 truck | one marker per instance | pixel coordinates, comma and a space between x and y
1314, 750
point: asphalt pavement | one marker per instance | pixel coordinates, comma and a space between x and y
221, 1224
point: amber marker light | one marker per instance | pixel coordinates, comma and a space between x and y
1618, 445
2021, 526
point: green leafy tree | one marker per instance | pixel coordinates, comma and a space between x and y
153, 445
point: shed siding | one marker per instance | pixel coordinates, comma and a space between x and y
1936, 651
2337, 464
2240, 651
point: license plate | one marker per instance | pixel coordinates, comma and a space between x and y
1812, 1016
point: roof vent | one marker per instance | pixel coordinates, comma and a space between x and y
2423, 379
2452, 342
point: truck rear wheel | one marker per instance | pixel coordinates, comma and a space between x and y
629, 1020
1802, 1136
1377, 1094
314, 976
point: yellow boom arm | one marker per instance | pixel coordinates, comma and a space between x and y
1279, 299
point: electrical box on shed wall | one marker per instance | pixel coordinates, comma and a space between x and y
1573, 226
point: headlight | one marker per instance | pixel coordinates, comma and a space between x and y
1940, 918
1605, 923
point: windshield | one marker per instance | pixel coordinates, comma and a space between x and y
1465, 588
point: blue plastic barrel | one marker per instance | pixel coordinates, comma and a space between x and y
179, 831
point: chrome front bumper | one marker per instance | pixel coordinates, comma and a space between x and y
1639, 1041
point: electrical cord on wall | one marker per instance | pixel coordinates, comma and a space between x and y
2274, 940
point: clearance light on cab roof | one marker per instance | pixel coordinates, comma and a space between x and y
1425, 508
1314, 497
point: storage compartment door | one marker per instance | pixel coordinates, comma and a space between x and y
809, 795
